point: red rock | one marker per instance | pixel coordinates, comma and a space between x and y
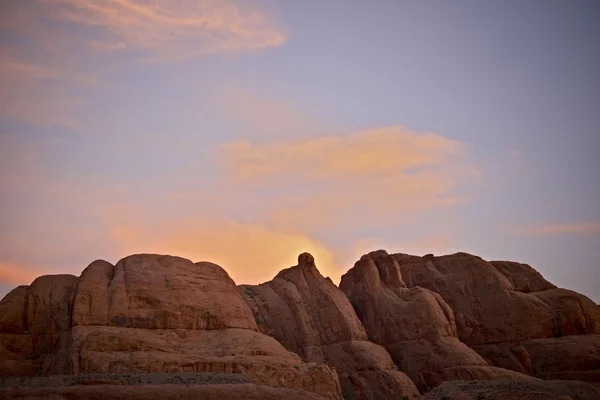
502, 308
415, 325
309, 315
35, 326
514, 390
167, 314
159, 292
522, 276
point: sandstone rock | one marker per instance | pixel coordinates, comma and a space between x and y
514, 390
414, 324
242, 351
13, 308
159, 292
299, 336
309, 315
154, 313
148, 313
484, 299
35, 326
569, 357
523, 278
504, 309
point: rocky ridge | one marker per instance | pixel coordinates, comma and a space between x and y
396, 326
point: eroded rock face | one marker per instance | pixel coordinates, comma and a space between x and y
309, 315
415, 325
508, 312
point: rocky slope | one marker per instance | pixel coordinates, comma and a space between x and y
397, 325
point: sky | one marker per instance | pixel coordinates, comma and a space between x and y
245, 132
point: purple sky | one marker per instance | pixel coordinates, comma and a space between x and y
244, 132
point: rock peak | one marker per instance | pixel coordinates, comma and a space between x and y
306, 260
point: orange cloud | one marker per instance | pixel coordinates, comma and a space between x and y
173, 29
376, 176
557, 229
377, 152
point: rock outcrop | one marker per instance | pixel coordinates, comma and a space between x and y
150, 314
511, 315
415, 325
310, 316
166, 327
35, 326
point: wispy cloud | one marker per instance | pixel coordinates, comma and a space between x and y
173, 29
80, 43
590, 228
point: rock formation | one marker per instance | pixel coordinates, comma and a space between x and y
310, 316
148, 314
167, 327
414, 324
512, 316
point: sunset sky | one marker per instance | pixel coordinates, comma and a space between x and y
245, 132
